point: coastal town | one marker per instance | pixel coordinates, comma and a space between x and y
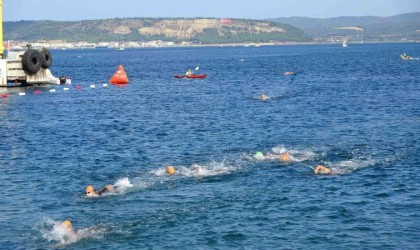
63, 45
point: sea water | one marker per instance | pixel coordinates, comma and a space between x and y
355, 110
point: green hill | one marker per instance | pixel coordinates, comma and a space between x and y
196, 30
393, 28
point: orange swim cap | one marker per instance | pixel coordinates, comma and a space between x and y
170, 170
285, 157
67, 224
89, 189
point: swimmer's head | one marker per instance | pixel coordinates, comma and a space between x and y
89, 190
285, 157
263, 97
196, 168
67, 224
170, 170
258, 155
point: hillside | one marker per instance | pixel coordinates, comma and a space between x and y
196, 30
393, 28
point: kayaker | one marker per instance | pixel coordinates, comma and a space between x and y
322, 170
188, 73
91, 192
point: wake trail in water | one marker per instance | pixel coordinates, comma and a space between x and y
54, 232
200, 170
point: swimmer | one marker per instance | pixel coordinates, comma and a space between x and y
90, 192
268, 156
196, 168
263, 97
285, 157
69, 229
170, 170
322, 170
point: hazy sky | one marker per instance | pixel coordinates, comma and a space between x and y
64, 10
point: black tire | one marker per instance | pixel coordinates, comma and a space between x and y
63, 79
31, 61
46, 58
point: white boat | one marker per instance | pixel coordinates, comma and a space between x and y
344, 44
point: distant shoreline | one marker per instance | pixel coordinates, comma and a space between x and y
22, 45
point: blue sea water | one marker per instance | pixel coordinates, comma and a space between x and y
355, 110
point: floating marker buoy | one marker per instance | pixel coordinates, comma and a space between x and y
37, 92
4, 95
65, 89
120, 77
78, 87
52, 90
22, 93
104, 85
92, 86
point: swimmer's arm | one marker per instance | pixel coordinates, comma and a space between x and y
106, 189
322, 170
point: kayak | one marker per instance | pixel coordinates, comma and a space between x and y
193, 76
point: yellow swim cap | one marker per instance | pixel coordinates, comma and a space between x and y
285, 157
67, 224
170, 170
89, 189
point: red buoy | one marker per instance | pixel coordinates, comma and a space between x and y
4, 95
120, 77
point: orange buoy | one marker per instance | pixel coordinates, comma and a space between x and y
120, 77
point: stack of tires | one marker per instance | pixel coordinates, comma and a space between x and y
33, 60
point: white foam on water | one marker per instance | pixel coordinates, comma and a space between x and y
205, 170
296, 155
160, 172
54, 231
121, 186
124, 185
198, 170
349, 166
65, 89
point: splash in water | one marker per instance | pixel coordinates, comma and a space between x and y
56, 232
294, 155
